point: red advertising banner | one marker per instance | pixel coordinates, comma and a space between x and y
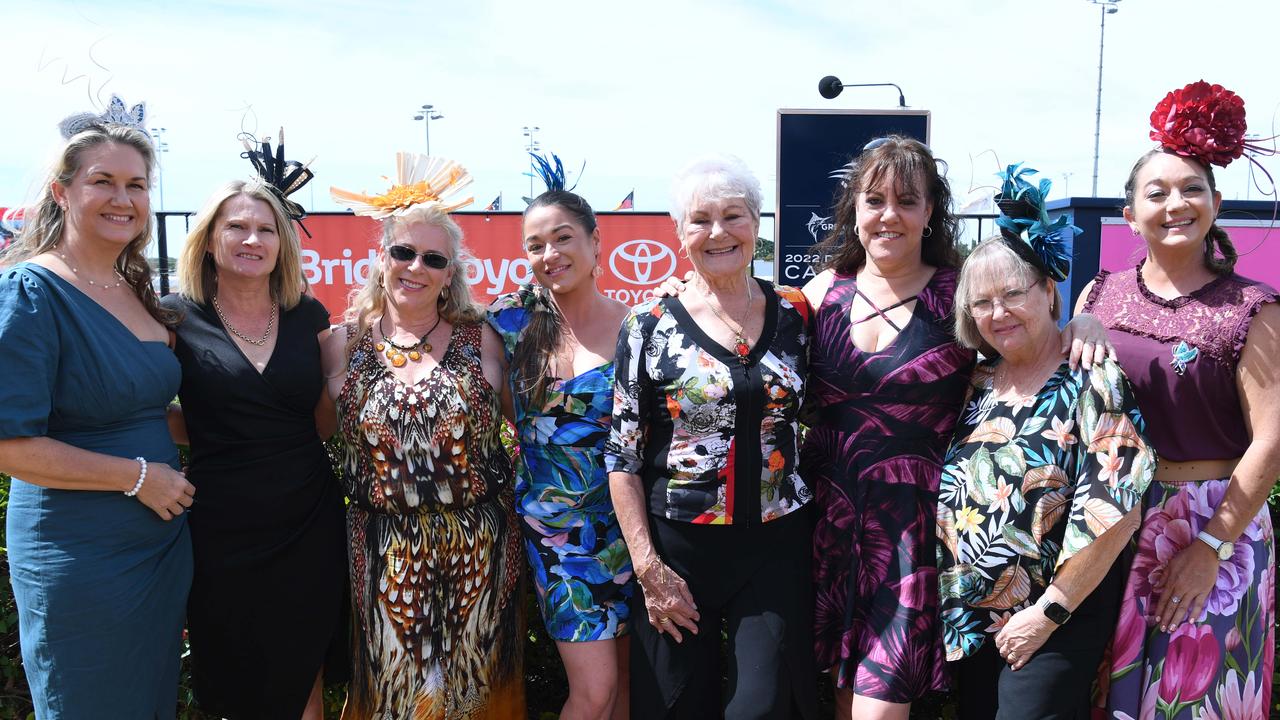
637, 252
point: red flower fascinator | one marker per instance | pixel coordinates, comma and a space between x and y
1205, 122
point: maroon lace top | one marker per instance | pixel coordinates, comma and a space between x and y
1181, 356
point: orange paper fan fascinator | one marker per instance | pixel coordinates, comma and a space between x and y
420, 180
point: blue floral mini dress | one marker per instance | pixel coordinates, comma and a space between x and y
579, 561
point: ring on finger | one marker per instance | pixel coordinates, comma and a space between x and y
664, 620
1175, 599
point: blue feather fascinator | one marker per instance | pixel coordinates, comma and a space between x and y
1025, 225
551, 172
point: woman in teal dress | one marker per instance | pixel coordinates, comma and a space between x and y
99, 553
559, 342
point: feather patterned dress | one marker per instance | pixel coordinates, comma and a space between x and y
435, 556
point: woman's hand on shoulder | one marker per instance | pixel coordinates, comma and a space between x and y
673, 286
1085, 338
166, 491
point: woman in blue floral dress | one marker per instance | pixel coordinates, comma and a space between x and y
558, 338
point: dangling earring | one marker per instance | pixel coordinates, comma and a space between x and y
683, 251
597, 271
444, 294
928, 231
856, 236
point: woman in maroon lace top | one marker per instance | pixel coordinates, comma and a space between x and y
1196, 635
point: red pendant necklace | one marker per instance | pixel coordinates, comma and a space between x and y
740, 346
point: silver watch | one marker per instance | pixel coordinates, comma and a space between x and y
1223, 548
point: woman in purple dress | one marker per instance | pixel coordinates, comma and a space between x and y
1196, 635
886, 384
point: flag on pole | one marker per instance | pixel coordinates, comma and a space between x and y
628, 202
496, 205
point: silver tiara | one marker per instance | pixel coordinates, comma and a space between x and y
115, 114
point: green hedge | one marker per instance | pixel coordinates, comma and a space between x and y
545, 682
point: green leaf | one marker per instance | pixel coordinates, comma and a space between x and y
1011, 460
1020, 540
983, 473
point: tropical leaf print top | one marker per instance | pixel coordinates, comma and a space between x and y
1026, 486
711, 435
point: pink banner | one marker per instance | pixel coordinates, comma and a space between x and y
1257, 242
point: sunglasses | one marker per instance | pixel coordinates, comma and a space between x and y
406, 254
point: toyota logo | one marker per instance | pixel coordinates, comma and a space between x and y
642, 262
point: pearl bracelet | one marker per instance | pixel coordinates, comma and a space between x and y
142, 477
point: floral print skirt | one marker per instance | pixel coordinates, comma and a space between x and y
1219, 666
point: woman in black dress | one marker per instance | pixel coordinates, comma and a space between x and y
266, 616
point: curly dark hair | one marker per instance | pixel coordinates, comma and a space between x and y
912, 164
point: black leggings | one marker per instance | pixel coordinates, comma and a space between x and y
755, 580
1055, 683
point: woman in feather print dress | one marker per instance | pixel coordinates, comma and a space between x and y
435, 555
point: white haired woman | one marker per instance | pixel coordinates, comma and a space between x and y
434, 544
98, 546
702, 460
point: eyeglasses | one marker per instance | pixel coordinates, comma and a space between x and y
1009, 300
406, 254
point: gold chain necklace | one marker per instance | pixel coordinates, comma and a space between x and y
740, 346
271, 321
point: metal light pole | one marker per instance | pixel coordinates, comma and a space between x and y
157, 138
530, 146
426, 115
1107, 7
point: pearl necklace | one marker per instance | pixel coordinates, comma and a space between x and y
76, 271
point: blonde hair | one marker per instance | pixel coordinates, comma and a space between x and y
197, 272
371, 300
992, 259
44, 225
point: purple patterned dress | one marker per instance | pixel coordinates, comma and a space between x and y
873, 457
1181, 356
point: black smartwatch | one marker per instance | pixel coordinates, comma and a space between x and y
1052, 610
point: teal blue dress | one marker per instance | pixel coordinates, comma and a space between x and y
100, 580
579, 561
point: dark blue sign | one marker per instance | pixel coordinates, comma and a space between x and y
814, 146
